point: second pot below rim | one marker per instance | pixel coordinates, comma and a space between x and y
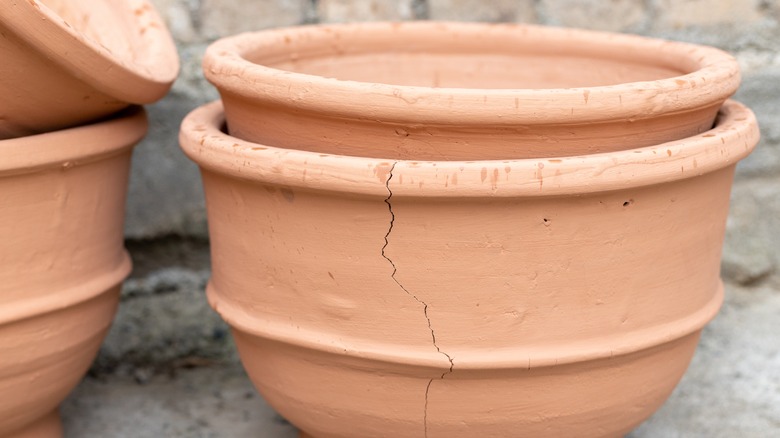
733, 138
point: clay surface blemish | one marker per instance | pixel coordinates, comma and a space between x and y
288, 194
422, 303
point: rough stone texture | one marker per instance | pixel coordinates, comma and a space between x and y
186, 403
613, 15
521, 11
339, 11
220, 18
164, 320
760, 91
686, 13
750, 253
732, 389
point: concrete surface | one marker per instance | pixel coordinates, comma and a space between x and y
732, 389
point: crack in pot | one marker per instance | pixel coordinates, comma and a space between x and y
424, 304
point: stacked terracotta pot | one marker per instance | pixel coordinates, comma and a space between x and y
69, 77
457, 230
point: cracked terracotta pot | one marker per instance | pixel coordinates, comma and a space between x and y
61, 262
66, 63
457, 91
560, 296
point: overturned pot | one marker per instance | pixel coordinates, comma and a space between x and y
61, 262
460, 91
558, 296
67, 63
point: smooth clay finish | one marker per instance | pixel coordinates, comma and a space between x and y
62, 201
457, 91
66, 63
551, 297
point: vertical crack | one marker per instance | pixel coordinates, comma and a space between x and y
424, 304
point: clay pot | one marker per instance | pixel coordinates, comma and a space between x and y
61, 262
457, 91
535, 297
67, 63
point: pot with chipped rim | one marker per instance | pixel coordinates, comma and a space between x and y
66, 63
559, 296
464, 91
62, 261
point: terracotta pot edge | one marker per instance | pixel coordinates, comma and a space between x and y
618, 345
225, 67
105, 138
733, 138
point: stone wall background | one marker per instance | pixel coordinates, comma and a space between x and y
164, 320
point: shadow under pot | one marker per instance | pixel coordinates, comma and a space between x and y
460, 91
67, 63
61, 262
533, 297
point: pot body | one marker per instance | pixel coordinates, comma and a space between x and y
70, 63
61, 262
555, 297
460, 91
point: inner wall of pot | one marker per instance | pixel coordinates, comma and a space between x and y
483, 71
96, 20
478, 57
116, 26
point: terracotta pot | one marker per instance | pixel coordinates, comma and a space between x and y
447, 91
536, 297
67, 63
62, 200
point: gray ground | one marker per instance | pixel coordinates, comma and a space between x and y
732, 389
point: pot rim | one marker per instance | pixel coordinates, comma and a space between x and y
226, 67
139, 81
59, 149
734, 136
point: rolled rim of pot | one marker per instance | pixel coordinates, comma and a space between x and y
75, 146
470, 76
203, 139
120, 47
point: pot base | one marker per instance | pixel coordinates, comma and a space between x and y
49, 426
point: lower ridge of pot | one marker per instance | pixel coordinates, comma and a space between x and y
68, 297
514, 357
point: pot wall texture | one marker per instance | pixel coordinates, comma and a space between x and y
166, 208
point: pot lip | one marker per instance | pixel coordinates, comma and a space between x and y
225, 66
512, 357
138, 81
733, 137
73, 146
